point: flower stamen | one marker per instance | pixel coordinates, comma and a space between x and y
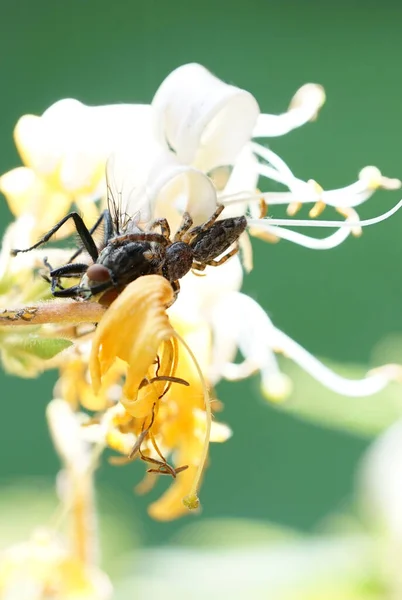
191, 501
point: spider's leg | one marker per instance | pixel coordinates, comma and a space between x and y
163, 224
144, 236
176, 289
211, 219
221, 261
195, 231
82, 231
185, 225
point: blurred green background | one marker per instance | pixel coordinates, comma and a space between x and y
340, 304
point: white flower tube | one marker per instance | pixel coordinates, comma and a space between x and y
304, 192
173, 188
239, 323
303, 107
148, 182
204, 120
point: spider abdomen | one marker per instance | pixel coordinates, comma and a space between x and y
178, 261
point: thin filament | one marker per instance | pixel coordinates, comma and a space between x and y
305, 223
192, 499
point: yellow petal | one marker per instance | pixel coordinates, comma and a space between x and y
184, 422
34, 145
171, 506
133, 329
26, 193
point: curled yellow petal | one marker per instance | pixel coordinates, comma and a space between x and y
183, 428
165, 392
133, 329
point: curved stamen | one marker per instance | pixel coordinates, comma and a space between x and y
348, 387
333, 240
264, 223
191, 501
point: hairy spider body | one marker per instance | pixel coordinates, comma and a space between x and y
209, 244
128, 252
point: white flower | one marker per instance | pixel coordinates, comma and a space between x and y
210, 125
196, 126
190, 150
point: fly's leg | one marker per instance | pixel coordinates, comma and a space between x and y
69, 271
71, 292
108, 232
185, 225
52, 280
48, 278
82, 231
163, 224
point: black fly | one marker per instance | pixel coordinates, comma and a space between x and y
128, 251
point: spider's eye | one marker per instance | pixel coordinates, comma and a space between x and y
98, 273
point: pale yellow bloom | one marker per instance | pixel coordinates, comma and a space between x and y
64, 152
43, 568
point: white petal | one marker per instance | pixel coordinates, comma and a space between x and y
243, 180
220, 432
204, 120
239, 320
65, 429
370, 179
173, 188
127, 173
200, 293
276, 387
298, 238
348, 223
347, 387
304, 107
78, 139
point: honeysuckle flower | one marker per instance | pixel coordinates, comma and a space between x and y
165, 392
235, 321
74, 384
196, 125
152, 362
64, 152
195, 115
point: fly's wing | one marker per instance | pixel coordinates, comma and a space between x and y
114, 194
125, 191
